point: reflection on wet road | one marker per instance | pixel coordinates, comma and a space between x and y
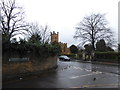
74, 75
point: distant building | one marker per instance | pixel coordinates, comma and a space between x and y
55, 39
64, 49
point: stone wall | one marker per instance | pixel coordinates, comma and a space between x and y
30, 67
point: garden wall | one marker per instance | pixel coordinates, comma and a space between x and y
18, 69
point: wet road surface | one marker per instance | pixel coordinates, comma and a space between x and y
73, 74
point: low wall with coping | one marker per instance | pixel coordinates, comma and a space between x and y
13, 69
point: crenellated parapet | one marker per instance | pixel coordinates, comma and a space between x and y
55, 39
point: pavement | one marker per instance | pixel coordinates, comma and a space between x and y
96, 62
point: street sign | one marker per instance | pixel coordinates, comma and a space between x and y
18, 59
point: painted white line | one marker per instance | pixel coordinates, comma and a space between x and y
83, 75
76, 67
80, 68
97, 72
74, 77
87, 70
73, 67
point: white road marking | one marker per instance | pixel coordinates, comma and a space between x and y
97, 72
73, 67
84, 75
77, 68
74, 77
87, 70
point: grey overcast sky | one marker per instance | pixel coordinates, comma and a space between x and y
63, 15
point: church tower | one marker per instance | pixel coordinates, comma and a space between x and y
54, 37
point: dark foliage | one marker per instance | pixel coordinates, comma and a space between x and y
73, 49
118, 47
107, 56
31, 50
102, 47
88, 48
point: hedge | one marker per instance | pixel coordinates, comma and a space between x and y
107, 56
75, 56
31, 50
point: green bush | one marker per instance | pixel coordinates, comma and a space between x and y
107, 56
35, 51
80, 56
72, 55
75, 56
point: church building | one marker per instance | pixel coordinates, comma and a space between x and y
55, 39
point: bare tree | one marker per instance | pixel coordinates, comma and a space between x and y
43, 33
92, 29
34, 29
11, 19
33, 33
